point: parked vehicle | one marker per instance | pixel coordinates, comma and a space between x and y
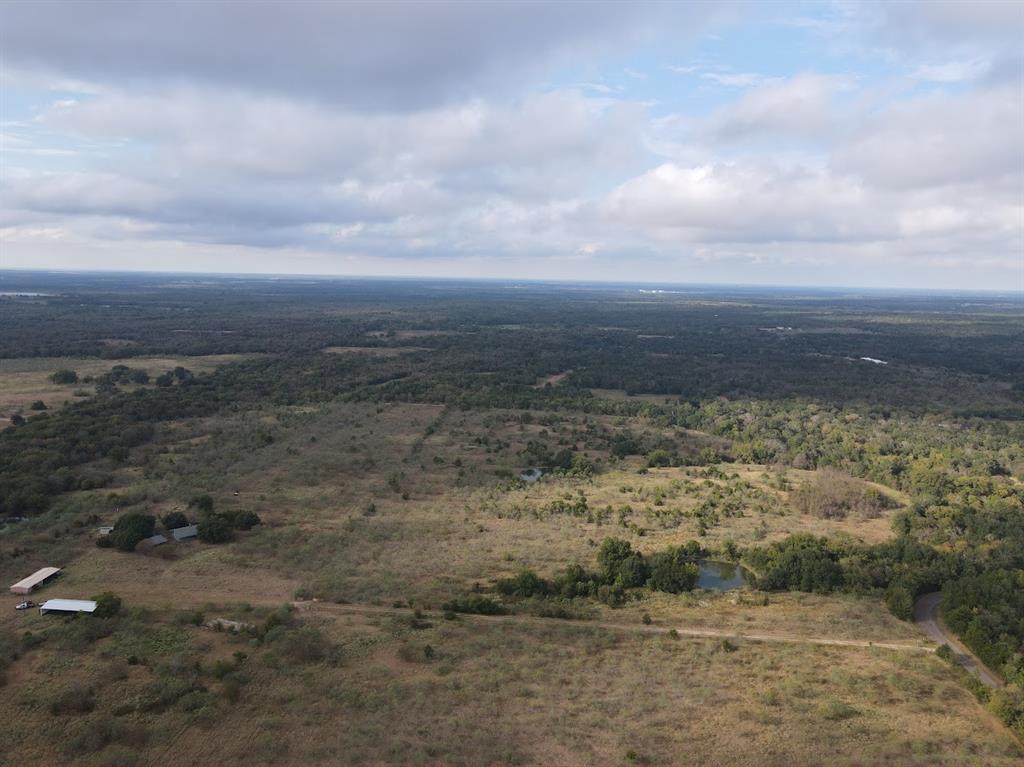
25, 605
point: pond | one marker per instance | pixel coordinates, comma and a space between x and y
720, 576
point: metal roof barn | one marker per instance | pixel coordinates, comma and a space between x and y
39, 577
67, 606
181, 533
156, 540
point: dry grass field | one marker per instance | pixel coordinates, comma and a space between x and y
25, 380
376, 504
585, 694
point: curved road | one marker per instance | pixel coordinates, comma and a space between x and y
927, 618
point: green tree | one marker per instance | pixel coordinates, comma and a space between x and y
673, 571
202, 502
213, 528
108, 604
129, 529
174, 520
620, 564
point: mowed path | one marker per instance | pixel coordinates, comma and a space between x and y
700, 633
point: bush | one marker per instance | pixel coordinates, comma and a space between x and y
302, 645
214, 528
241, 520
836, 710
476, 604
526, 584
202, 502
76, 699
620, 564
130, 529
834, 495
65, 377
37, 405
672, 571
108, 605
899, 598
801, 562
174, 520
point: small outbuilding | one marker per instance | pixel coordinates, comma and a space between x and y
38, 578
155, 540
184, 533
67, 606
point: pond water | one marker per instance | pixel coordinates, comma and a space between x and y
719, 576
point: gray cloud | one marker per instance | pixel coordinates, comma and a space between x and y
366, 54
350, 135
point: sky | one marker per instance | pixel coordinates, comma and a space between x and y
773, 143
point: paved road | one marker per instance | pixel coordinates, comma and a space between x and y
927, 618
628, 627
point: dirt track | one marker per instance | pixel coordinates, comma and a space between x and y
628, 627
927, 618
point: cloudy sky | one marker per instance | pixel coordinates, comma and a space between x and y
828, 143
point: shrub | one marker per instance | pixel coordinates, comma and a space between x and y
834, 495
130, 529
174, 520
836, 710
37, 405
899, 598
202, 502
302, 645
526, 584
214, 528
108, 605
65, 377
475, 603
672, 571
241, 520
620, 564
76, 699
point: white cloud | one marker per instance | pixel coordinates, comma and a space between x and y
801, 106
196, 159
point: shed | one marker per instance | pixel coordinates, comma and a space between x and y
38, 578
184, 533
155, 540
67, 606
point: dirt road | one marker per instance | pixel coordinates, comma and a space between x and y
927, 618
628, 627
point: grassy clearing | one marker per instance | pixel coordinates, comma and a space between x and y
25, 380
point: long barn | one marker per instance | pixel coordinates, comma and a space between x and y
67, 606
38, 578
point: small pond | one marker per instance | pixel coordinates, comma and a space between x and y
720, 576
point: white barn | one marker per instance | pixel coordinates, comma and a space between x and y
67, 606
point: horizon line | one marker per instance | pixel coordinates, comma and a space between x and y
530, 280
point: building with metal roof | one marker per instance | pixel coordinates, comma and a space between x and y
38, 578
184, 533
155, 540
67, 606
